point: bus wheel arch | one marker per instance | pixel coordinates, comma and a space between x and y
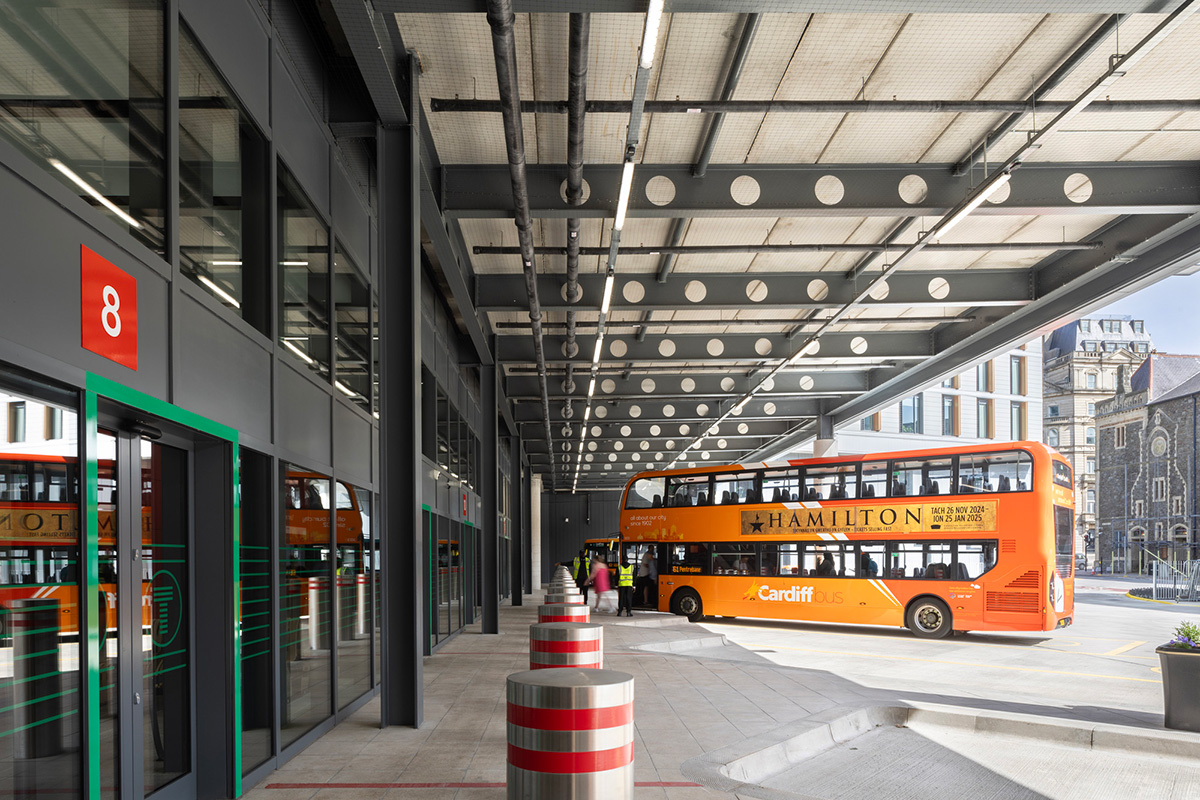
686, 602
928, 617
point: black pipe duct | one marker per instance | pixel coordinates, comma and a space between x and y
500, 18
731, 81
577, 92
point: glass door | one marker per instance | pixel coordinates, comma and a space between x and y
146, 651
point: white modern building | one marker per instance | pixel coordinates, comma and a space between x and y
999, 400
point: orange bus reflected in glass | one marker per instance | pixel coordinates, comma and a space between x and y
966, 538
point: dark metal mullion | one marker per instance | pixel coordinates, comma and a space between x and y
129, 616
171, 171
275, 615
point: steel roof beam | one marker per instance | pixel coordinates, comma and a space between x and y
373, 39
721, 107
629, 384
652, 410
828, 247
736, 347
795, 6
865, 323
792, 290
484, 190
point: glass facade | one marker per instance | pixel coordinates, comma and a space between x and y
352, 339
303, 276
353, 586
40, 717
223, 190
305, 607
83, 98
258, 708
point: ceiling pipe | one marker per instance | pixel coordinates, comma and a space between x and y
1058, 76
669, 252
577, 90
731, 81
500, 18
675, 249
820, 106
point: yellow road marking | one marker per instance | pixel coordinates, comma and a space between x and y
1123, 648
956, 663
1133, 596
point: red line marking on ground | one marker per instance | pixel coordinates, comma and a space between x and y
447, 785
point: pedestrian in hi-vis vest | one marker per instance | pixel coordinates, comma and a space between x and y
625, 587
581, 571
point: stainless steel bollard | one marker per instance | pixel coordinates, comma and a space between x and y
575, 598
37, 681
566, 644
570, 734
564, 612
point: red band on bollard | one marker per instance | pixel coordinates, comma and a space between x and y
556, 618
570, 763
589, 665
570, 719
577, 646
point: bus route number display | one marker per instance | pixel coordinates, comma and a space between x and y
898, 518
108, 309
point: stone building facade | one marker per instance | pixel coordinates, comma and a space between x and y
1080, 371
1147, 478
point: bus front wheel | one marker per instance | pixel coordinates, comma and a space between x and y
929, 618
688, 604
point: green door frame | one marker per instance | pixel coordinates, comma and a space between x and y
98, 386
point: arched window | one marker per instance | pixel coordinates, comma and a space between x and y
1091, 380
1052, 437
1179, 533
1091, 435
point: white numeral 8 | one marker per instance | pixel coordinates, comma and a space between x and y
112, 304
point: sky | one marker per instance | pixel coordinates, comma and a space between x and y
1171, 310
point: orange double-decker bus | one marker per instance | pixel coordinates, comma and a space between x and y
977, 537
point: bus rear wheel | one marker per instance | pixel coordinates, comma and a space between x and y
929, 618
688, 604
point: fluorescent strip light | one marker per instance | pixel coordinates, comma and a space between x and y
298, 352
608, 289
623, 198
221, 293
742, 404
87, 187
591, 388
596, 355
226, 263
344, 390
587, 413
974, 204
650, 36
293, 263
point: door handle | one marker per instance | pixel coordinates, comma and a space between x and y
137, 698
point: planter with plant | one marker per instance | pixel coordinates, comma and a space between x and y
1180, 660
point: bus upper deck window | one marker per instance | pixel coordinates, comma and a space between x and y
995, 472
645, 493
831, 482
781, 486
874, 479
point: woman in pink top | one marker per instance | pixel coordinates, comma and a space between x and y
601, 585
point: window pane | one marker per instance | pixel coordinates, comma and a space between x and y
41, 716
832, 482
223, 191
828, 560
375, 350
910, 415
687, 490
874, 479
645, 493
870, 558
781, 559
928, 560
305, 609
353, 591
948, 415
734, 559
927, 476
303, 276
351, 300
995, 472
258, 716
781, 485
83, 89
734, 489
691, 559
975, 558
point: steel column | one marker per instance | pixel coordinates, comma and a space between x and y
400, 418
489, 479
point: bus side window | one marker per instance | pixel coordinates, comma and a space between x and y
974, 558
692, 559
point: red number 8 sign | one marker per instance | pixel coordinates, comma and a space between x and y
108, 309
